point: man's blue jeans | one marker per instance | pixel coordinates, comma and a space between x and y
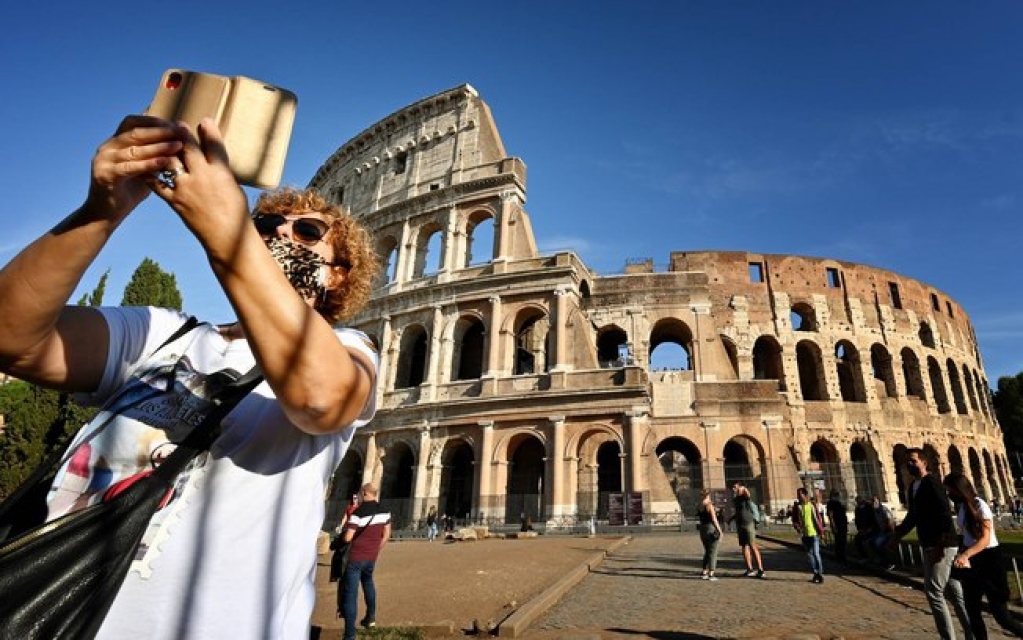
358, 571
812, 545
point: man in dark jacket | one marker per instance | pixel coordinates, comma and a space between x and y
931, 513
839, 520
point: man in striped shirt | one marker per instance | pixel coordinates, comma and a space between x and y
367, 531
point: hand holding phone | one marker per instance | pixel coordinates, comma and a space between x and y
255, 118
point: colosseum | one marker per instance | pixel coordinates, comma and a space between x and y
517, 383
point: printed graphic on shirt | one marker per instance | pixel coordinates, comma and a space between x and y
132, 435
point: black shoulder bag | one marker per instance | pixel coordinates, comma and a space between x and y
59, 579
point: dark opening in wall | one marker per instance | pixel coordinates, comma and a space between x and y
401, 162
893, 289
834, 280
948, 305
934, 302
756, 272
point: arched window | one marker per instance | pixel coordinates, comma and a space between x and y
811, 371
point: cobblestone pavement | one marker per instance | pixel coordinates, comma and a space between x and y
651, 588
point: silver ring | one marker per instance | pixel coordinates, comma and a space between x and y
167, 176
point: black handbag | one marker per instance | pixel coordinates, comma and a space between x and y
58, 580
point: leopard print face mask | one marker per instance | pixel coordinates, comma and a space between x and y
305, 269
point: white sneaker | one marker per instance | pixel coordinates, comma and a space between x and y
704, 577
713, 578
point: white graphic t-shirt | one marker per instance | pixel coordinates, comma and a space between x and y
233, 553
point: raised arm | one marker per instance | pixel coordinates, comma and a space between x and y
321, 385
42, 340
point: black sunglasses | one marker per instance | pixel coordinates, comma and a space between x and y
306, 230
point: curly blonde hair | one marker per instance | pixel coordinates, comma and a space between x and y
352, 243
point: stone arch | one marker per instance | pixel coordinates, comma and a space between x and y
992, 480
803, 317
732, 352
387, 248
673, 331
612, 346
468, 348
744, 462
531, 341
882, 371
938, 385
346, 481
682, 465
912, 374
955, 460
926, 335
524, 491
933, 460
849, 371
396, 484
480, 238
976, 472
767, 362
901, 475
866, 466
970, 392
457, 478
599, 451
825, 459
983, 395
957, 387
413, 353
811, 371
429, 249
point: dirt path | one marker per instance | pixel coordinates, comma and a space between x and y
424, 583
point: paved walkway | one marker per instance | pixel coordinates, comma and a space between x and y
651, 588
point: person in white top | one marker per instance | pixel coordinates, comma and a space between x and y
234, 553
980, 558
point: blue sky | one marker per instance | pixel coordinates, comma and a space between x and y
886, 133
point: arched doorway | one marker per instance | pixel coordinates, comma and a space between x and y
680, 460
525, 490
396, 485
456, 481
743, 462
866, 470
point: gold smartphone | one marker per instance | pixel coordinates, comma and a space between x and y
256, 118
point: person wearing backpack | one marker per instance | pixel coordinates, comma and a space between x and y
744, 515
808, 522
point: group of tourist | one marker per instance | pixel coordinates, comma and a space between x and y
961, 573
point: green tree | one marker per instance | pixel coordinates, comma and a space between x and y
152, 286
1008, 401
36, 422
95, 299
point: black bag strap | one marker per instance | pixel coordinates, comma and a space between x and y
56, 457
203, 435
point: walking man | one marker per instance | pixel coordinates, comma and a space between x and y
839, 520
931, 514
808, 522
368, 531
746, 527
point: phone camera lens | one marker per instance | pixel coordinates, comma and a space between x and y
174, 80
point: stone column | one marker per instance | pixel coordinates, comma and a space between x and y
492, 366
637, 420
504, 239
560, 327
406, 258
420, 495
452, 256
370, 464
700, 311
484, 470
435, 355
556, 464
385, 370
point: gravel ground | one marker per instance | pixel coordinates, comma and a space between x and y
424, 583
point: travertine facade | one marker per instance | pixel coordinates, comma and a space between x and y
514, 382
